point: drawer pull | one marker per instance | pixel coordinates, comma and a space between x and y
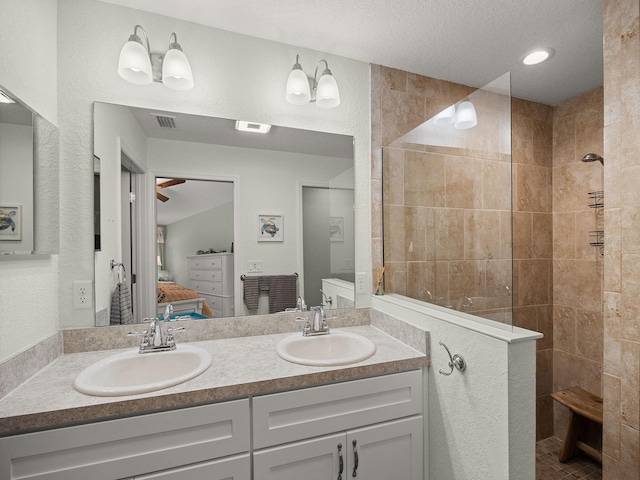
355, 459
341, 461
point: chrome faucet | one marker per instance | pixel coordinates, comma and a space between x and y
327, 300
319, 325
152, 338
167, 312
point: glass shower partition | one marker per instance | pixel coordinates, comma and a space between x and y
447, 207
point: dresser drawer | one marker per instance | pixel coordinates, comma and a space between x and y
207, 275
206, 287
205, 263
296, 415
218, 303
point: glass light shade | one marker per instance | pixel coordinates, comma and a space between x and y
134, 64
298, 91
327, 93
446, 117
466, 116
176, 70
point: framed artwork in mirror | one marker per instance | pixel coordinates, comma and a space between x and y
270, 228
10, 222
336, 229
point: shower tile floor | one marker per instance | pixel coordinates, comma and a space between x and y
549, 468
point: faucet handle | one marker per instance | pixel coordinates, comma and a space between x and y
169, 340
307, 325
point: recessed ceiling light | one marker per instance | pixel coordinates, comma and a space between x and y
252, 127
538, 56
4, 98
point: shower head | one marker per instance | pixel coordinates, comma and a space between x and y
592, 157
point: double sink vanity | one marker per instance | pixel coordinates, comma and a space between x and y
240, 403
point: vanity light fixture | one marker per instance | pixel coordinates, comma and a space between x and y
253, 127
465, 116
538, 56
138, 65
300, 88
461, 117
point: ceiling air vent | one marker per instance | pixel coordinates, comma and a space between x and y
165, 121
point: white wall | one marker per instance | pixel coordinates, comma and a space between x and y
210, 229
482, 421
28, 287
16, 180
236, 77
118, 127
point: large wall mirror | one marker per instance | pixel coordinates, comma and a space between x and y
217, 221
29, 180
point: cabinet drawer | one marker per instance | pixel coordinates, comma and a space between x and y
289, 416
130, 446
234, 468
208, 275
206, 287
205, 263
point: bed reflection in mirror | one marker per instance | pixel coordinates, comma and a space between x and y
185, 204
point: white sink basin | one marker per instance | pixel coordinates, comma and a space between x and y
130, 372
336, 348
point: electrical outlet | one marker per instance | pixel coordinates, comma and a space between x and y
255, 266
361, 279
82, 294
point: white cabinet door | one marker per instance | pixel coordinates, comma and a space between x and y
392, 450
235, 468
317, 459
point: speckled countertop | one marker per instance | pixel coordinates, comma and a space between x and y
241, 367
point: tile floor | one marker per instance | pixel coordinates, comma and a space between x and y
549, 468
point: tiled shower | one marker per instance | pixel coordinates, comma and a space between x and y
557, 274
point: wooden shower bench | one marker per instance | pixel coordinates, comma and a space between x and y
583, 407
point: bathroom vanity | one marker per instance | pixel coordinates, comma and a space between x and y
267, 418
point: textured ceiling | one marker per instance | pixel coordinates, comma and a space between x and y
464, 41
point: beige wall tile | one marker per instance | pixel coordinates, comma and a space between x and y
543, 142
481, 234
612, 335
564, 329
564, 235
542, 235
522, 235
544, 417
463, 180
496, 185
590, 334
393, 175
585, 225
630, 384
545, 326
534, 189
544, 372
400, 113
576, 283
424, 179
564, 140
571, 370
535, 282
394, 233
611, 417
393, 79
522, 139
629, 447
449, 233
421, 280
613, 251
427, 87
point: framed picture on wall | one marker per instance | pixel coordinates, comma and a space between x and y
336, 229
10, 222
270, 228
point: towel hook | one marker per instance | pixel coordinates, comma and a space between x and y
455, 361
121, 269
